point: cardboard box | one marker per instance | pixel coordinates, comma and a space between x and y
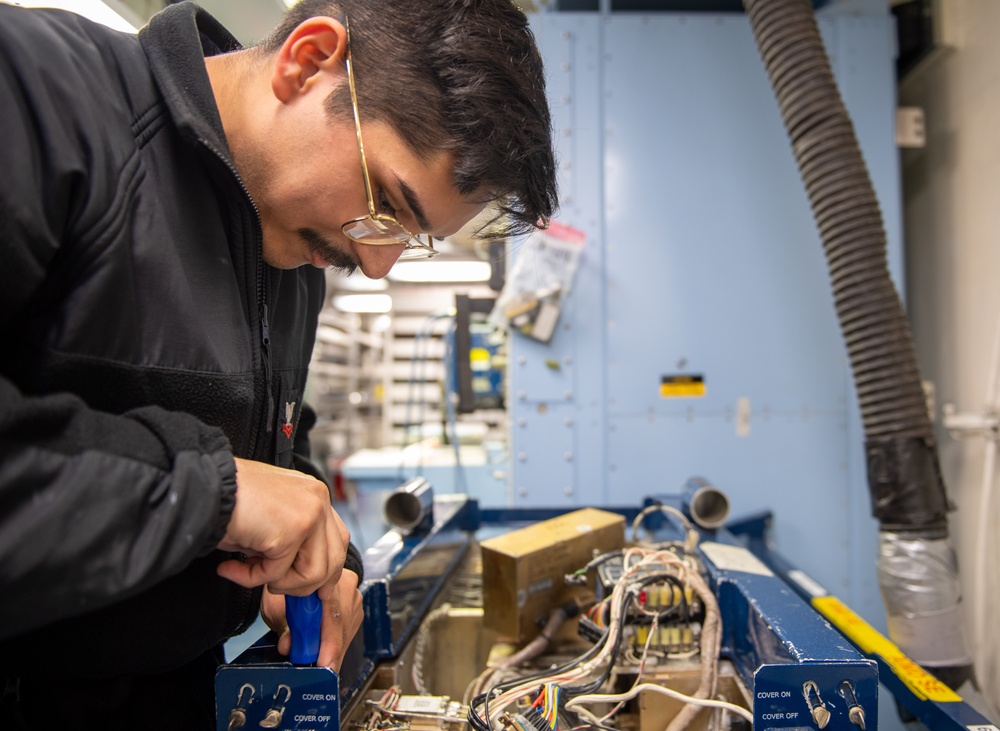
523, 570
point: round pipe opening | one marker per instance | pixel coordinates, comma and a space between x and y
709, 507
404, 510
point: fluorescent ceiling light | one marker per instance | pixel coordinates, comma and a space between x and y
96, 10
358, 282
363, 302
440, 271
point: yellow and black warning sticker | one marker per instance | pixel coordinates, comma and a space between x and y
682, 386
872, 642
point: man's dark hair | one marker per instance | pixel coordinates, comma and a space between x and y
462, 76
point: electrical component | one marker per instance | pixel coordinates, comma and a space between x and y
524, 569
653, 585
392, 710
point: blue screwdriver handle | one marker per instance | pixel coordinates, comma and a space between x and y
304, 615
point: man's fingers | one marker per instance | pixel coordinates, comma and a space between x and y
283, 519
310, 569
295, 583
345, 534
272, 609
342, 617
250, 574
257, 572
285, 642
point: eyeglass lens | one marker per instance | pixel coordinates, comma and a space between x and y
373, 231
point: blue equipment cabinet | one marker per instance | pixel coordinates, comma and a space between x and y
702, 260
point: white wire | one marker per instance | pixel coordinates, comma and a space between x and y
585, 670
645, 557
649, 509
636, 561
653, 629
677, 695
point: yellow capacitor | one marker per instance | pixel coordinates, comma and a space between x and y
641, 634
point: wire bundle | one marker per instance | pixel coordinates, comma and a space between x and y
392, 712
381, 711
580, 679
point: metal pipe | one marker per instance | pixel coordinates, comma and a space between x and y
410, 508
706, 505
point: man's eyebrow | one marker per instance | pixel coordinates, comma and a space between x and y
414, 205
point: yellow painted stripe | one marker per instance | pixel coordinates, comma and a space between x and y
924, 685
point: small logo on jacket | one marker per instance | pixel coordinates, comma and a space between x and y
287, 425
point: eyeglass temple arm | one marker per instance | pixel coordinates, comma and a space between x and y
357, 119
357, 129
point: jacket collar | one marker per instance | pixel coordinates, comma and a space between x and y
176, 41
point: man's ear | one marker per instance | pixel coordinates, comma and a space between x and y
315, 47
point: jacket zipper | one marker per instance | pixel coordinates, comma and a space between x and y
262, 313
250, 607
265, 349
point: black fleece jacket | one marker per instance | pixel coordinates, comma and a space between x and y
145, 343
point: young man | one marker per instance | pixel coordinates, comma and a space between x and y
168, 205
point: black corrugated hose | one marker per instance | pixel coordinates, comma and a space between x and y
907, 491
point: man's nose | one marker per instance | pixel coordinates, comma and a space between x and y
376, 261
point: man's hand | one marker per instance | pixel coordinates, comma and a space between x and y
284, 522
342, 616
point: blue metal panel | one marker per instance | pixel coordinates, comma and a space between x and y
544, 460
780, 644
702, 257
734, 279
720, 258
560, 412
305, 698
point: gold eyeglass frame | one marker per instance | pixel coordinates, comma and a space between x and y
383, 223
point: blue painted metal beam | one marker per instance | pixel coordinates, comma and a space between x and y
936, 705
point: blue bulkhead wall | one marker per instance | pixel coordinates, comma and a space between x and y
702, 258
